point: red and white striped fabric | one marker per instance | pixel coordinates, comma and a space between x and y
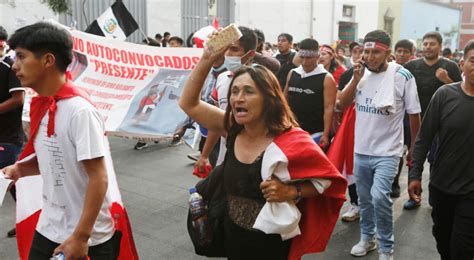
294, 154
201, 35
30, 189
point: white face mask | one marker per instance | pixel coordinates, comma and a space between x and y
232, 63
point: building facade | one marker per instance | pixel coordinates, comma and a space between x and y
327, 21
419, 17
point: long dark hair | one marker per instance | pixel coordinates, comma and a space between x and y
277, 114
333, 63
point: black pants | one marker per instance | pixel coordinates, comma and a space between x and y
353, 194
43, 248
453, 224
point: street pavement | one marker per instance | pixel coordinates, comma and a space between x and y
154, 183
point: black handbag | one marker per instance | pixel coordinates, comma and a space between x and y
212, 191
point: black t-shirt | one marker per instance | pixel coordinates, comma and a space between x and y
448, 116
426, 80
286, 64
11, 130
306, 99
345, 78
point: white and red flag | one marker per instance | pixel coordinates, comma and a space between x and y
294, 156
201, 35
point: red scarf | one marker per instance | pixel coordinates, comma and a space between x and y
40, 105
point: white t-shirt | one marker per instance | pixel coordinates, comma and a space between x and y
79, 135
222, 88
378, 133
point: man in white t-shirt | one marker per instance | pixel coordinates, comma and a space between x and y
382, 92
67, 147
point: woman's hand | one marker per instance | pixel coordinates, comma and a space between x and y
214, 55
276, 191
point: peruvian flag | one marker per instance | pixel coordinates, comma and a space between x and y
341, 151
293, 155
30, 189
202, 34
116, 22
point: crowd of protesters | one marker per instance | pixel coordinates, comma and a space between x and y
295, 126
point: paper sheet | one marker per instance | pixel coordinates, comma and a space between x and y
4, 184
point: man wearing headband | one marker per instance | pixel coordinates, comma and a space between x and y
311, 93
431, 72
382, 93
11, 106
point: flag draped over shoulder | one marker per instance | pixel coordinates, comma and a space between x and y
29, 189
301, 158
116, 22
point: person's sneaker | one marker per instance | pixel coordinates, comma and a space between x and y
363, 247
140, 146
411, 204
11, 233
386, 256
351, 214
395, 191
194, 156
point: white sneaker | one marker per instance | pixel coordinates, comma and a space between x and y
352, 213
386, 256
363, 247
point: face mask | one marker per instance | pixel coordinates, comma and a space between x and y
232, 63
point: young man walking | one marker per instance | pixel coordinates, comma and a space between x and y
448, 117
68, 147
431, 72
382, 92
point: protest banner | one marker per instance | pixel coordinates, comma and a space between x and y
135, 87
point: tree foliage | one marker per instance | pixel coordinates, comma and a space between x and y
58, 6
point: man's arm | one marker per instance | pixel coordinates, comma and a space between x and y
26, 167
330, 92
76, 246
211, 141
17, 99
428, 130
415, 121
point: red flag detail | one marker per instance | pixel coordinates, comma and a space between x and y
128, 250
215, 23
25, 230
341, 151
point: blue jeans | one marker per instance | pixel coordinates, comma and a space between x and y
8, 155
374, 177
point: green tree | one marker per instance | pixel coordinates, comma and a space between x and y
58, 6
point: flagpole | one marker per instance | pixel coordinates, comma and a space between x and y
144, 35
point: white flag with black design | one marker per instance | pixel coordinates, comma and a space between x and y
116, 22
